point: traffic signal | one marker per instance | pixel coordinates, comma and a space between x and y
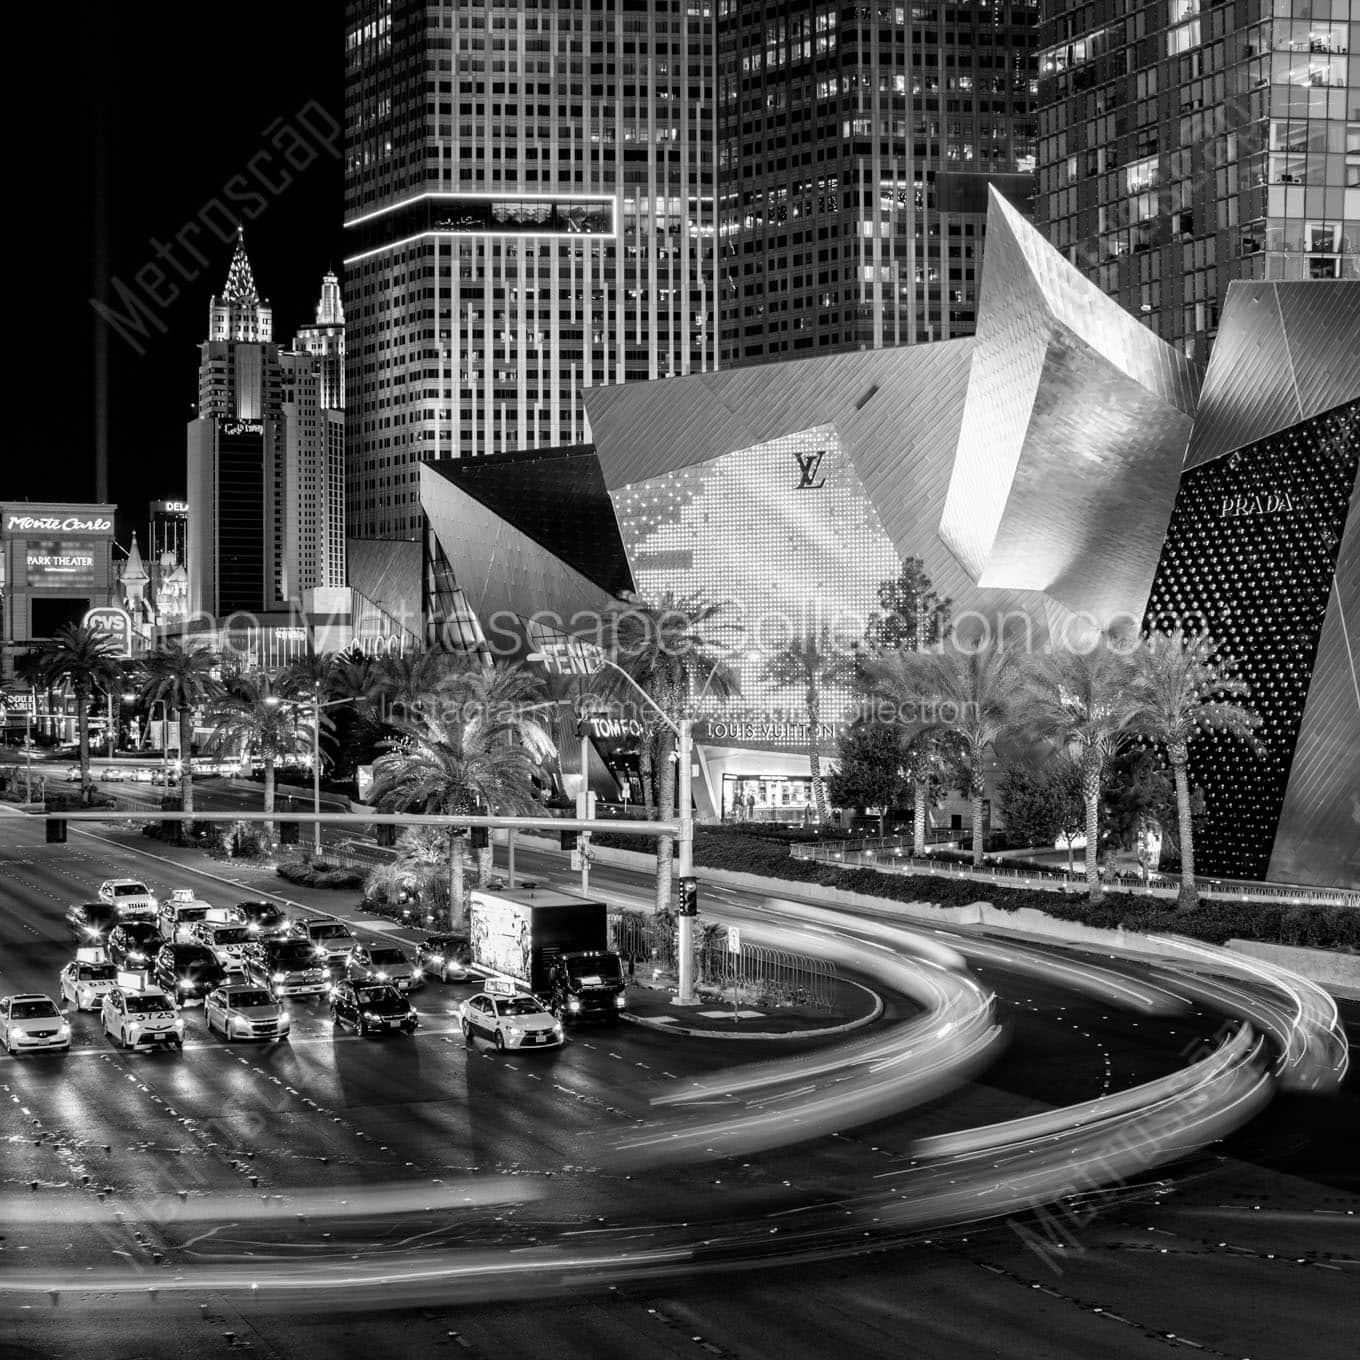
56, 831
689, 897
288, 833
481, 837
571, 840
386, 834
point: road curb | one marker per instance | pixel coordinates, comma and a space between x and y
822, 1033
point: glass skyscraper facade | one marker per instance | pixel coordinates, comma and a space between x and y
855, 147
530, 208
1187, 143
543, 198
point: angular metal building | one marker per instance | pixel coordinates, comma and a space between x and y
1033, 470
1263, 552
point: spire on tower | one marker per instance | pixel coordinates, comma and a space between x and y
240, 281
134, 569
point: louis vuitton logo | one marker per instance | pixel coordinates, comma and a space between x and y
809, 465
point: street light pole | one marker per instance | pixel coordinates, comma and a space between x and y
316, 772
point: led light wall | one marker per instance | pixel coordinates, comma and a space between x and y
1251, 556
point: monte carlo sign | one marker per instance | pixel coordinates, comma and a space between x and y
21, 523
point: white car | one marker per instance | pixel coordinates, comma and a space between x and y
130, 895
87, 979
138, 1019
228, 943
181, 914
31, 1023
510, 1021
245, 1011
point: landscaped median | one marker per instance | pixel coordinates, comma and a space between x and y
1215, 920
1323, 942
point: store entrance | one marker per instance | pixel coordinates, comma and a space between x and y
766, 798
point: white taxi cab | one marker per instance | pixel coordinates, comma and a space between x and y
509, 1018
87, 979
137, 1017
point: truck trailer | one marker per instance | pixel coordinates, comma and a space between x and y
553, 944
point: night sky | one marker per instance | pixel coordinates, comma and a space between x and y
165, 104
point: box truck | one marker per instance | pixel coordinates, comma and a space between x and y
553, 944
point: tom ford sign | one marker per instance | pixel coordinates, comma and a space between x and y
18, 523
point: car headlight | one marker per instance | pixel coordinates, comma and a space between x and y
557, 1030
63, 1031
515, 1029
134, 1028
369, 1015
179, 1025
92, 932
620, 1001
382, 977
279, 977
573, 1003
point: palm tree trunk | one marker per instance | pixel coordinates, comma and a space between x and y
977, 791
83, 735
665, 846
647, 775
1090, 793
457, 897
485, 864
814, 712
920, 789
1188, 896
268, 827
186, 762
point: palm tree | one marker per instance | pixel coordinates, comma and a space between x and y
511, 701
1083, 702
250, 718
84, 658
963, 693
440, 764
666, 646
1184, 690
183, 678
403, 683
812, 660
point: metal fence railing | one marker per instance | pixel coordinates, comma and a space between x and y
890, 857
767, 977
642, 939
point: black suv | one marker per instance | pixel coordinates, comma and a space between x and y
134, 944
370, 1006
288, 968
90, 922
188, 972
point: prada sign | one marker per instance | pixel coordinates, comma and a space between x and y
1257, 504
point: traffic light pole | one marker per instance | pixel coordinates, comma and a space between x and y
684, 850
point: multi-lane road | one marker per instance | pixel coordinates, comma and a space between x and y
335, 1154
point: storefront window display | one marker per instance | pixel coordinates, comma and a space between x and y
766, 798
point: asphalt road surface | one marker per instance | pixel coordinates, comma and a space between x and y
1246, 1250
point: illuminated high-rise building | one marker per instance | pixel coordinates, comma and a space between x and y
856, 145
266, 455
529, 210
1187, 143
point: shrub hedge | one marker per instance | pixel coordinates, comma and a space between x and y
1214, 921
319, 874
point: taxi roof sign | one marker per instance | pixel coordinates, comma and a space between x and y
496, 986
183, 895
92, 954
